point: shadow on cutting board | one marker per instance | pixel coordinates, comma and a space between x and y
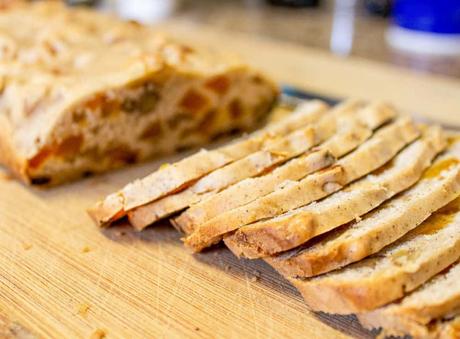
256, 271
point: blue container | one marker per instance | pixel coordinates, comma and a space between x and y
434, 16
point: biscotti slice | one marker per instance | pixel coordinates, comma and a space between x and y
271, 153
377, 229
437, 299
352, 133
372, 154
390, 274
84, 93
177, 176
279, 234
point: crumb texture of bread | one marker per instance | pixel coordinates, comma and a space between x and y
176, 177
369, 156
356, 128
390, 274
274, 151
84, 92
436, 300
374, 231
296, 227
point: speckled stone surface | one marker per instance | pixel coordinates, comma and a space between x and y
310, 27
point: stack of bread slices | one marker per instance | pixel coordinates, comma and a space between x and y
356, 205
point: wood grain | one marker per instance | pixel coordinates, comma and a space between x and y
61, 277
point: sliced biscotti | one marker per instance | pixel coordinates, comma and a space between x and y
376, 230
142, 216
272, 153
437, 299
390, 274
296, 227
177, 176
351, 134
253, 188
372, 154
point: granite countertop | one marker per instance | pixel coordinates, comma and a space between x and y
312, 27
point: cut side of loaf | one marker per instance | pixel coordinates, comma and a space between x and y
389, 275
296, 227
352, 133
376, 230
372, 154
274, 152
437, 299
84, 93
176, 177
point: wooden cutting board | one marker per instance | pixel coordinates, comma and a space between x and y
62, 277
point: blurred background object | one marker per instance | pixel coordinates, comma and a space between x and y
426, 27
146, 11
82, 2
422, 35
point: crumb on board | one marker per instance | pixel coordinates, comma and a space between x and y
6, 176
98, 334
26, 246
85, 249
120, 233
83, 309
255, 276
163, 166
197, 328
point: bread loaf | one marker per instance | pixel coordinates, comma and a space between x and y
83, 93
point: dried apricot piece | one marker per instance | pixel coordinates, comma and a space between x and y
193, 101
39, 158
69, 146
153, 130
219, 84
235, 108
